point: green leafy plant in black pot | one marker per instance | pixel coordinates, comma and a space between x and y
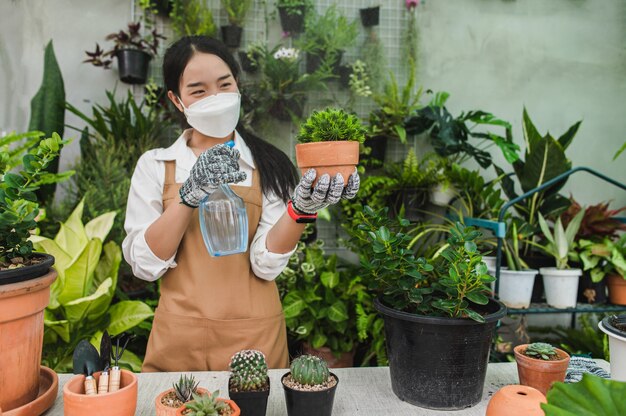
249, 384
438, 308
309, 387
236, 10
292, 14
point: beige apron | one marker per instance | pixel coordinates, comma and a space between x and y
212, 307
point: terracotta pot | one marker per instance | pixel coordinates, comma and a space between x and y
119, 403
540, 374
48, 388
232, 404
21, 315
516, 400
617, 289
163, 410
328, 157
345, 360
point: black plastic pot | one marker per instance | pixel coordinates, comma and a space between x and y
344, 75
537, 261
589, 291
251, 403
281, 108
163, 7
378, 144
21, 274
414, 201
231, 35
436, 362
292, 18
132, 65
246, 63
370, 16
313, 62
309, 403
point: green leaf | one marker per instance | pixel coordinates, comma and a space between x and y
78, 277
330, 279
319, 340
474, 315
100, 226
470, 247
71, 236
590, 396
108, 266
293, 305
127, 314
337, 312
477, 297
61, 327
89, 307
130, 361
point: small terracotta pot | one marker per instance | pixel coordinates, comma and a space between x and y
119, 403
328, 157
232, 404
516, 400
540, 374
163, 410
345, 360
617, 289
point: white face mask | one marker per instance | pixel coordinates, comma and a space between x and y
215, 115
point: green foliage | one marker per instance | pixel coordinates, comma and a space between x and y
331, 124
540, 351
478, 198
583, 339
592, 396
603, 258
620, 151
323, 300
373, 54
598, 221
192, 17
185, 387
80, 299
560, 244
237, 10
327, 34
206, 405
248, 371
309, 370
18, 203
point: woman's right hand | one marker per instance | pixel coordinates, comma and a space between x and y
216, 165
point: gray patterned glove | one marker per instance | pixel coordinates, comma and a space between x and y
216, 165
308, 199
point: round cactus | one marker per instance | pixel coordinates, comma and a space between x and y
248, 371
309, 370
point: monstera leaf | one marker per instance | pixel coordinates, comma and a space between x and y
592, 396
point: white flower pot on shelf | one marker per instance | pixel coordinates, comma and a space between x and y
561, 286
441, 194
516, 287
490, 261
617, 349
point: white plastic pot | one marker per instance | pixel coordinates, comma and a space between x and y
516, 287
441, 195
490, 261
617, 350
561, 286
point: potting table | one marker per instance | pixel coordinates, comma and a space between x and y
361, 391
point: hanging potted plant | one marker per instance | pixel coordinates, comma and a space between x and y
370, 16
25, 276
249, 384
132, 50
309, 387
560, 282
249, 59
329, 142
292, 14
169, 401
540, 364
236, 10
209, 404
615, 327
437, 309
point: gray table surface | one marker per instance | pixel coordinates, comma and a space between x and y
361, 391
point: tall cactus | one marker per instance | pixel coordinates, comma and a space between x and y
309, 370
248, 371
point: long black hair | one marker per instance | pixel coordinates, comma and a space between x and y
278, 174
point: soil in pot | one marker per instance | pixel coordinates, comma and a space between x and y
437, 362
540, 374
251, 403
307, 400
167, 403
36, 266
132, 65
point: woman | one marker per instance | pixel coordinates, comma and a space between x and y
211, 307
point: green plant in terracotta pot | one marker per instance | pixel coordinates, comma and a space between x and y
309, 387
329, 142
249, 384
540, 364
209, 405
169, 401
606, 258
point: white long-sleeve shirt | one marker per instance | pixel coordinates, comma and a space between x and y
145, 205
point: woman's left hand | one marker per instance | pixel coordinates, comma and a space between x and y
309, 199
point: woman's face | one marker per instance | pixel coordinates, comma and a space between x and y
204, 75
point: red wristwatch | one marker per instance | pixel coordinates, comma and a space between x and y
300, 218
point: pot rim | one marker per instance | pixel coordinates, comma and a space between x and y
518, 353
282, 378
76, 396
611, 330
440, 320
553, 271
157, 399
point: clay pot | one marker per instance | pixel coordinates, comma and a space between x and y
120, 403
516, 400
21, 325
48, 388
232, 404
617, 289
345, 360
328, 157
163, 410
540, 374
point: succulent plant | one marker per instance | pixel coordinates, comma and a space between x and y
206, 405
309, 370
185, 388
248, 371
541, 351
331, 124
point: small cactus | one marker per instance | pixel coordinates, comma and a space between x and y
541, 351
248, 371
309, 370
185, 388
206, 405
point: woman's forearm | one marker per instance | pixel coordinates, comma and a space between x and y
284, 235
165, 234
